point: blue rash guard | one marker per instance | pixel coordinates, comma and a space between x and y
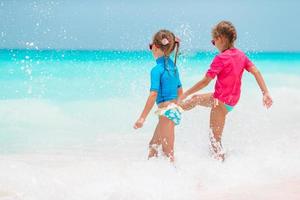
165, 80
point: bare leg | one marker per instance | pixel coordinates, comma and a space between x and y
217, 121
167, 133
155, 142
205, 100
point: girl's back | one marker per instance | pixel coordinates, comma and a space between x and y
165, 80
229, 66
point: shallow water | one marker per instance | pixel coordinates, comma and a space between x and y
66, 130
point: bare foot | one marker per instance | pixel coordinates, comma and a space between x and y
192, 102
153, 151
216, 149
172, 159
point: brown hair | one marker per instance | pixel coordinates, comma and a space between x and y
159, 40
225, 29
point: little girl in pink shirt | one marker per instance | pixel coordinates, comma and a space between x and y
228, 66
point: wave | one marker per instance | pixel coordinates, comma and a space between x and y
88, 150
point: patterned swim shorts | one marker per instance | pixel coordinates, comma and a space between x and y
173, 112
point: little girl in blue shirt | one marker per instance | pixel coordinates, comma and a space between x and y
165, 90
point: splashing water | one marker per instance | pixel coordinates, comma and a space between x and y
71, 136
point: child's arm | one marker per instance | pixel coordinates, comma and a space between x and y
180, 92
267, 100
198, 86
149, 105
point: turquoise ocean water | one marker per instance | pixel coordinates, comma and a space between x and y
72, 75
60, 78
66, 121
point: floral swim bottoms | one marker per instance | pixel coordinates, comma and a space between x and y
172, 112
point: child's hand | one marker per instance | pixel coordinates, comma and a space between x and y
267, 100
139, 123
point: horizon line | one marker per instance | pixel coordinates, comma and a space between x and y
138, 50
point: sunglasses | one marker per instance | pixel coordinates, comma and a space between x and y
150, 46
213, 42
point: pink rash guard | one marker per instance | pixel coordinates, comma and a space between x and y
229, 66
